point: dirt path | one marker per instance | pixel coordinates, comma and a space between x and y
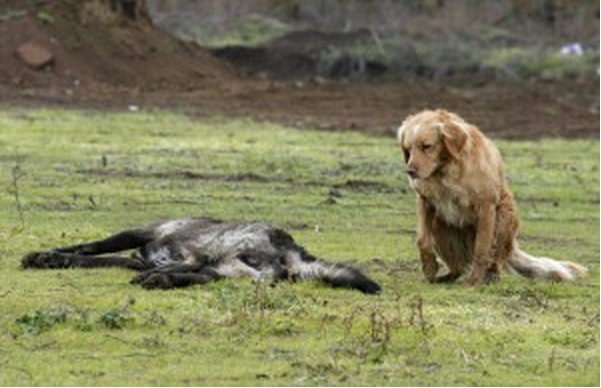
521, 111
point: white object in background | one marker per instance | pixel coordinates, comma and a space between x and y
572, 49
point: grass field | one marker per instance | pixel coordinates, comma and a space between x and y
74, 176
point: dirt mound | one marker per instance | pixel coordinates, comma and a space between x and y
91, 46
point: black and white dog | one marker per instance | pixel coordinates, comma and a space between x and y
179, 253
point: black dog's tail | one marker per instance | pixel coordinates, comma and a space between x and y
305, 267
299, 264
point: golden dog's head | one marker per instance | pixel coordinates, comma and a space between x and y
430, 139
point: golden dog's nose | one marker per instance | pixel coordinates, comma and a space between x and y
412, 172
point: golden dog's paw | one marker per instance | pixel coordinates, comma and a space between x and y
448, 278
473, 280
480, 276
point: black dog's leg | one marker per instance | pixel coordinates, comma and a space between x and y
55, 260
176, 276
129, 239
169, 268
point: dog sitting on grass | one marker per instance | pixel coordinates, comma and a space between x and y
180, 253
466, 216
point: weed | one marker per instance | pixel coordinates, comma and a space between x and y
156, 319
17, 174
152, 342
42, 320
581, 339
253, 299
113, 319
45, 17
417, 315
319, 374
118, 317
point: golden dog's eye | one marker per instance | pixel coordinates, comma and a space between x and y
425, 147
406, 154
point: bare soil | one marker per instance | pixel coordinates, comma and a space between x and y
104, 62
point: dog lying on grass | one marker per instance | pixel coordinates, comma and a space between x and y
466, 215
180, 253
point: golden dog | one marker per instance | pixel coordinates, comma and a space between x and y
466, 215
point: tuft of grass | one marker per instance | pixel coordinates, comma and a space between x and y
45, 17
248, 30
341, 195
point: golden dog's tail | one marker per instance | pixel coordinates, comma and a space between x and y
544, 268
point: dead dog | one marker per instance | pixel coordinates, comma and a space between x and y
183, 252
466, 215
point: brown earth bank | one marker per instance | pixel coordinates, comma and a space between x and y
102, 61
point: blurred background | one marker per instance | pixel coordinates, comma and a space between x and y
518, 67
502, 39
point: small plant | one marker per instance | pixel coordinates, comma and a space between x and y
256, 298
41, 320
45, 17
417, 315
17, 174
113, 319
117, 318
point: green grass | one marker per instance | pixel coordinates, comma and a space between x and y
521, 63
83, 175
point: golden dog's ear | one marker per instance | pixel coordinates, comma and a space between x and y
401, 131
399, 134
400, 138
454, 135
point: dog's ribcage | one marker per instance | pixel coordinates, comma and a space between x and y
235, 250
191, 240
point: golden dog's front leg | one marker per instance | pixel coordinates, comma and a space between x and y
425, 240
484, 268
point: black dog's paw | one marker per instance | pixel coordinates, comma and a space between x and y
47, 259
31, 260
139, 278
153, 280
370, 287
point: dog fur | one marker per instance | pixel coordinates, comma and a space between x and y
466, 215
179, 253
